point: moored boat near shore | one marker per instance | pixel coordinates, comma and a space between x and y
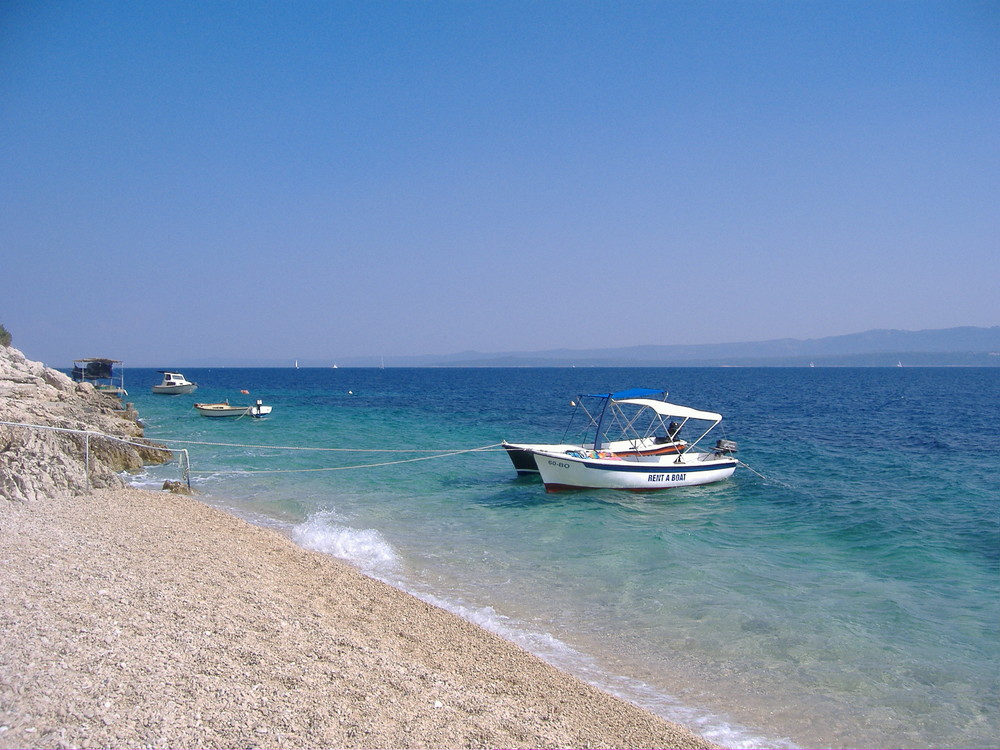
225, 409
594, 407
599, 468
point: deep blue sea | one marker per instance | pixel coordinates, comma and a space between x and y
849, 597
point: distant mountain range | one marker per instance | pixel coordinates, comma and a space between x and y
947, 347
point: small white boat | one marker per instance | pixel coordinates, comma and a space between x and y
599, 468
225, 409
174, 383
594, 406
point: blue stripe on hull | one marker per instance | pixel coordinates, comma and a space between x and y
639, 468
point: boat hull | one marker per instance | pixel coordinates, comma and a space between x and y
563, 471
174, 390
523, 455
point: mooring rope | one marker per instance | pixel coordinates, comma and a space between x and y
345, 468
438, 453
330, 450
766, 479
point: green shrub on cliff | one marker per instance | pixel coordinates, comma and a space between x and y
4, 336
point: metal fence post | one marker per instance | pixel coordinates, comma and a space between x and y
86, 458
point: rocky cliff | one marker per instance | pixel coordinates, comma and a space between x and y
41, 463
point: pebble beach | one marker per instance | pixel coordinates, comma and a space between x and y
133, 618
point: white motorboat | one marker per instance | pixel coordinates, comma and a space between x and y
599, 468
225, 409
174, 383
593, 406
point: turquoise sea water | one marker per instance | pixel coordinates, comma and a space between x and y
850, 599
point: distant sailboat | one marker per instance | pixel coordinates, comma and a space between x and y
296, 364
899, 364
333, 366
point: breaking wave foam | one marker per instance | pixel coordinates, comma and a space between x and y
365, 548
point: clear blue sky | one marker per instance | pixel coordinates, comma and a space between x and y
321, 180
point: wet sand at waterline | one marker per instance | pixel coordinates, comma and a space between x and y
147, 619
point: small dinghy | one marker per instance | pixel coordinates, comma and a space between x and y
225, 409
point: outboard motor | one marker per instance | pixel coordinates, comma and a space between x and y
725, 447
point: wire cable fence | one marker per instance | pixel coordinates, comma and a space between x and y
184, 460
